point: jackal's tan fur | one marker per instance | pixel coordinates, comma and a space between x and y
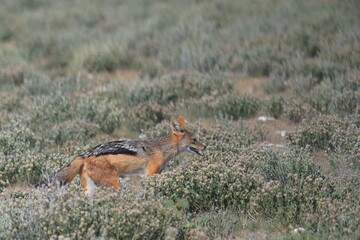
104, 163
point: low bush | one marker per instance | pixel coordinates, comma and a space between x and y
16, 138
306, 41
12, 67
216, 224
191, 47
264, 59
274, 107
67, 213
30, 166
172, 88
319, 70
302, 85
205, 185
297, 110
230, 137
337, 96
75, 131
36, 83
144, 116
11, 102
107, 56
335, 219
276, 165
56, 110
276, 83
235, 107
326, 133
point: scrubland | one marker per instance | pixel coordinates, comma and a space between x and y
74, 74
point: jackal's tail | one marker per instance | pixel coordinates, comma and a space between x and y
64, 175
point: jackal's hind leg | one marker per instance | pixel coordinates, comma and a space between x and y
86, 182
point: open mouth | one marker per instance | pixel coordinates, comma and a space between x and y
196, 151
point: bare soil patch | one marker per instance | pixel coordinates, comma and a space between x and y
250, 85
126, 75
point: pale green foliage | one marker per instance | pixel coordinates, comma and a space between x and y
74, 74
67, 213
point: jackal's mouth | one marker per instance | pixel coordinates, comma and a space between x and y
195, 150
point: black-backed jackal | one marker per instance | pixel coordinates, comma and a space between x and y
102, 164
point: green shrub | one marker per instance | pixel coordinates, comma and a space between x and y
336, 96
12, 67
346, 102
73, 132
275, 165
191, 47
29, 167
5, 30
12, 76
319, 69
337, 219
10, 57
205, 106
36, 83
296, 110
345, 53
172, 88
11, 101
264, 59
326, 133
105, 113
51, 109
294, 191
203, 57
274, 107
67, 213
229, 105
307, 41
205, 185
275, 83
302, 85
16, 138
216, 223
234, 106
55, 111
229, 137
292, 203
104, 56
144, 116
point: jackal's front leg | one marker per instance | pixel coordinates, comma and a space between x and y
152, 169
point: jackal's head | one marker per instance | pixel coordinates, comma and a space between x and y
184, 138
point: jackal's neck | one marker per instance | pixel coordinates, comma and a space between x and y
166, 145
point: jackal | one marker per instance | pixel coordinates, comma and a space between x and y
102, 164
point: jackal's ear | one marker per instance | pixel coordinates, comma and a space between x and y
176, 126
181, 120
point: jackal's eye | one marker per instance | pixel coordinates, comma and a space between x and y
194, 140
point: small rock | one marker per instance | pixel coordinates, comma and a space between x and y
281, 132
142, 136
272, 145
299, 229
265, 118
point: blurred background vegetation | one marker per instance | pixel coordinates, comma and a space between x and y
78, 73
